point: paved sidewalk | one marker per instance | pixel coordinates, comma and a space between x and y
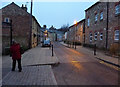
36, 64
99, 55
38, 56
33, 75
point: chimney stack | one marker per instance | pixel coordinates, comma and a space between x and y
24, 7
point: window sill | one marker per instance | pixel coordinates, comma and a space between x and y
101, 19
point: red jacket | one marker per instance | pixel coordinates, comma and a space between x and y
15, 51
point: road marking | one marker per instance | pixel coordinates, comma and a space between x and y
112, 66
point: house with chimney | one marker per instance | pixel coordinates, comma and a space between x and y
21, 25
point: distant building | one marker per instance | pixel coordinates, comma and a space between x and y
52, 33
76, 33
80, 32
102, 25
20, 26
71, 34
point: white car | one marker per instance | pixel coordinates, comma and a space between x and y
46, 43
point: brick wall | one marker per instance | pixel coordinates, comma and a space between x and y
20, 27
100, 25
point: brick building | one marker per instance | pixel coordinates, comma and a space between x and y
80, 33
102, 24
76, 32
71, 34
20, 25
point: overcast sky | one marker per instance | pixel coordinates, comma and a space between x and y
56, 13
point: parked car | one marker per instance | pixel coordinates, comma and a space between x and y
46, 43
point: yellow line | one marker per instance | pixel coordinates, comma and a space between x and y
112, 66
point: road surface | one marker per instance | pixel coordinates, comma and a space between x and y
79, 69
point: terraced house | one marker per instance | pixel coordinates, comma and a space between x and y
102, 25
76, 33
20, 26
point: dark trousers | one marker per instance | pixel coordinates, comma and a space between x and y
14, 64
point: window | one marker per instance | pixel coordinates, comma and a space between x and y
117, 9
116, 35
7, 20
96, 17
101, 36
88, 22
101, 16
81, 26
90, 37
95, 36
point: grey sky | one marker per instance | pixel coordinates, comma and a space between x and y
57, 13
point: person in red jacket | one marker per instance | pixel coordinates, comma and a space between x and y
16, 55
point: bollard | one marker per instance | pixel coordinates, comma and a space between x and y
95, 49
75, 45
52, 51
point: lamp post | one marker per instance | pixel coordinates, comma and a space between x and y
75, 22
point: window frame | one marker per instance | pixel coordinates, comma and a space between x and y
117, 9
95, 36
90, 37
117, 34
96, 17
101, 15
6, 18
88, 22
101, 35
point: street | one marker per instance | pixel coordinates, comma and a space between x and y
79, 69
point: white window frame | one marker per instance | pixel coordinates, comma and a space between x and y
101, 36
95, 36
116, 38
117, 9
88, 22
101, 15
96, 17
7, 19
90, 37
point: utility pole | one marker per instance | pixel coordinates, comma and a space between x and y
107, 24
30, 38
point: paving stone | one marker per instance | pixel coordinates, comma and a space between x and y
32, 75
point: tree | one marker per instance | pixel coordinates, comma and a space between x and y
64, 28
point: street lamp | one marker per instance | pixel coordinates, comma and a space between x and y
75, 22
